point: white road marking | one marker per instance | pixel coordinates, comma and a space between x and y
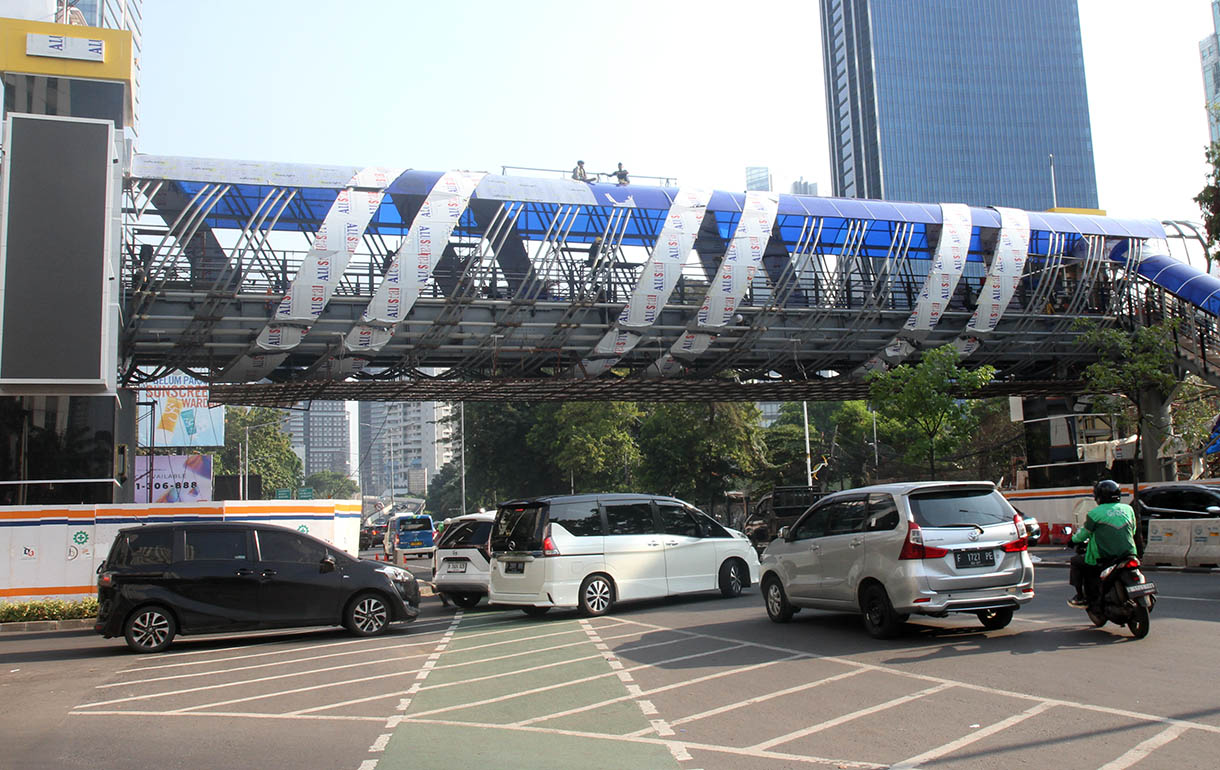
197, 674
758, 699
661, 727
367, 648
665, 688
1145, 748
381, 742
966, 740
680, 753
843, 719
226, 714
368, 764
647, 707
547, 688
942, 680
170, 693
1159, 597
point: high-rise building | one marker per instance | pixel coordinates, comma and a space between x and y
404, 444
321, 436
958, 101
1209, 53
758, 178
801, 187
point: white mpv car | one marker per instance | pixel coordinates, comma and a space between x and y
893, 550
460, 569
590, 551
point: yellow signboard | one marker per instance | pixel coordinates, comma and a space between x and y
28, 47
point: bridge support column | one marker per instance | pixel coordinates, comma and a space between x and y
1156, 429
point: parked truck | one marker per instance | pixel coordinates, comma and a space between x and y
780, 507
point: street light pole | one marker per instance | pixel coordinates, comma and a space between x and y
461, 410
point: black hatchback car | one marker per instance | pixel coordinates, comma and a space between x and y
165, 579
1177, 501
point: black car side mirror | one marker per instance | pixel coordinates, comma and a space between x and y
327, 564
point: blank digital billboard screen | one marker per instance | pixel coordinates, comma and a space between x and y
53, 264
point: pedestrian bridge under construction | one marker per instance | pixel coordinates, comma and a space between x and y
280, 283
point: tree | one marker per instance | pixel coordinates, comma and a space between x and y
591, 443
929, 397
1209, 202
271, 455
331, 485
699, 451
1133, 363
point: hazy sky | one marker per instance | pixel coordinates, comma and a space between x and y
694, 90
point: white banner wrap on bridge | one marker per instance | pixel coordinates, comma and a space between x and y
1011, 250
737, 269
657, 279
946, 268
416, 258
335, 242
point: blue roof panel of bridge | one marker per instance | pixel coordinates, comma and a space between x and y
1183, 280
310, 204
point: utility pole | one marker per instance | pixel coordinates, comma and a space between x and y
808, 458
462, 414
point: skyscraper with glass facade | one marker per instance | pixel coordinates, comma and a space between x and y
958, 101
1209, 54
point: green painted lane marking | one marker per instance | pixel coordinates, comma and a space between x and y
449, 746
511, 672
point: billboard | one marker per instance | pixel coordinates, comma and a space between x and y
180, 416
174, 479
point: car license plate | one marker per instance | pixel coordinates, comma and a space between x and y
416, 543
983, 557
514, 568
456, 566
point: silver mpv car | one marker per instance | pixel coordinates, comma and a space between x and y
892, 550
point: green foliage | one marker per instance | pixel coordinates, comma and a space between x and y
271, 454
699, 451
929, 398
1209, 201
47, 609
331, 485
1131, 362
591, 443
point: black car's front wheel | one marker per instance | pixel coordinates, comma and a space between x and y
150, 629
367, 615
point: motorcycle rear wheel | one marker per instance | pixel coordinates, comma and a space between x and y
1096, 617
1139, 624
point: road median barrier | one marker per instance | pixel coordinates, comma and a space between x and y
1204, 543
1168, 542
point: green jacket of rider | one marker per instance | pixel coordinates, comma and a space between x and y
1110, 531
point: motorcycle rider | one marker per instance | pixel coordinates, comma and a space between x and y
1110, 531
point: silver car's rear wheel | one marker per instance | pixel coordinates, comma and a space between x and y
880, 620
367, 615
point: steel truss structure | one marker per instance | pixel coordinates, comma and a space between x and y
283, 283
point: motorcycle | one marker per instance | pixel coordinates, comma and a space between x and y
1122, 595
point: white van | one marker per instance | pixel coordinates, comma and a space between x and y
590, 551
463, 556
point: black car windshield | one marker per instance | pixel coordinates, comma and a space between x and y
960, 508
518, 528
466, 534
414, 524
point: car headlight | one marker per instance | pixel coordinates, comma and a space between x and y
397, 574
